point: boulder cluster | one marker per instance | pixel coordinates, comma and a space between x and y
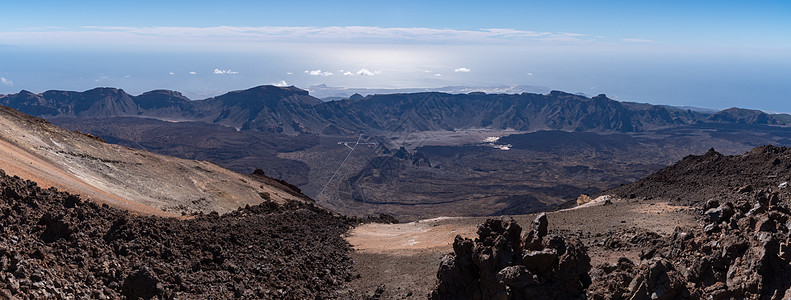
742, 252
502, 263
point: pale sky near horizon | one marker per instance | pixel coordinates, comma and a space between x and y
714, 54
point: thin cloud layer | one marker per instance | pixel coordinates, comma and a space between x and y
462, 70
6, 82
645, 41
233, 34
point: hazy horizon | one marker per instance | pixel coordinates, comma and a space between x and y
704, 54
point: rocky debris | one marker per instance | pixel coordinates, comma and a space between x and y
609, 280
656, 280
742, 252
54, 245
696, 179
381, 218
259, 175
501, 264
741, 249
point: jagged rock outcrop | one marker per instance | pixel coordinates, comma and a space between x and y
742, 252
501, 264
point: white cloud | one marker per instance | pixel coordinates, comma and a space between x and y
224, 72
280, 83
6, 82
289, 73
529, 74
227, 35
193, 73
366, 72
463, 70
438, 75
171, 73
102, 78
347, 73
318, 73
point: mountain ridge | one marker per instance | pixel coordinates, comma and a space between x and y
293, 111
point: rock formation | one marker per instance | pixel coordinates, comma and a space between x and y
503, 264
741, 253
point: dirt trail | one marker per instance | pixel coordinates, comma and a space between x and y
405, 257
424, 235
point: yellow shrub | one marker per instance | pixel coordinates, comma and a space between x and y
582, 199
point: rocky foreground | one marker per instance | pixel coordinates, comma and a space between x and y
742, 253
740, 250
54, 245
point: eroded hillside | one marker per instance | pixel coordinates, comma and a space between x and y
131, 179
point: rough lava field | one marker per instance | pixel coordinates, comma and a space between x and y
55, 245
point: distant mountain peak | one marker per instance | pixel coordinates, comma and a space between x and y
274, 89
164, 92
556, 93
356, 96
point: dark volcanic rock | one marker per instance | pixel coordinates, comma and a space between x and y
749, 261
497, 265
695, 179
741, 251
140, 284
53, 245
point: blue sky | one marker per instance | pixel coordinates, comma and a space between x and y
709, 54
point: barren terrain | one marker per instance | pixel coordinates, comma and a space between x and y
131, 179
404, 257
